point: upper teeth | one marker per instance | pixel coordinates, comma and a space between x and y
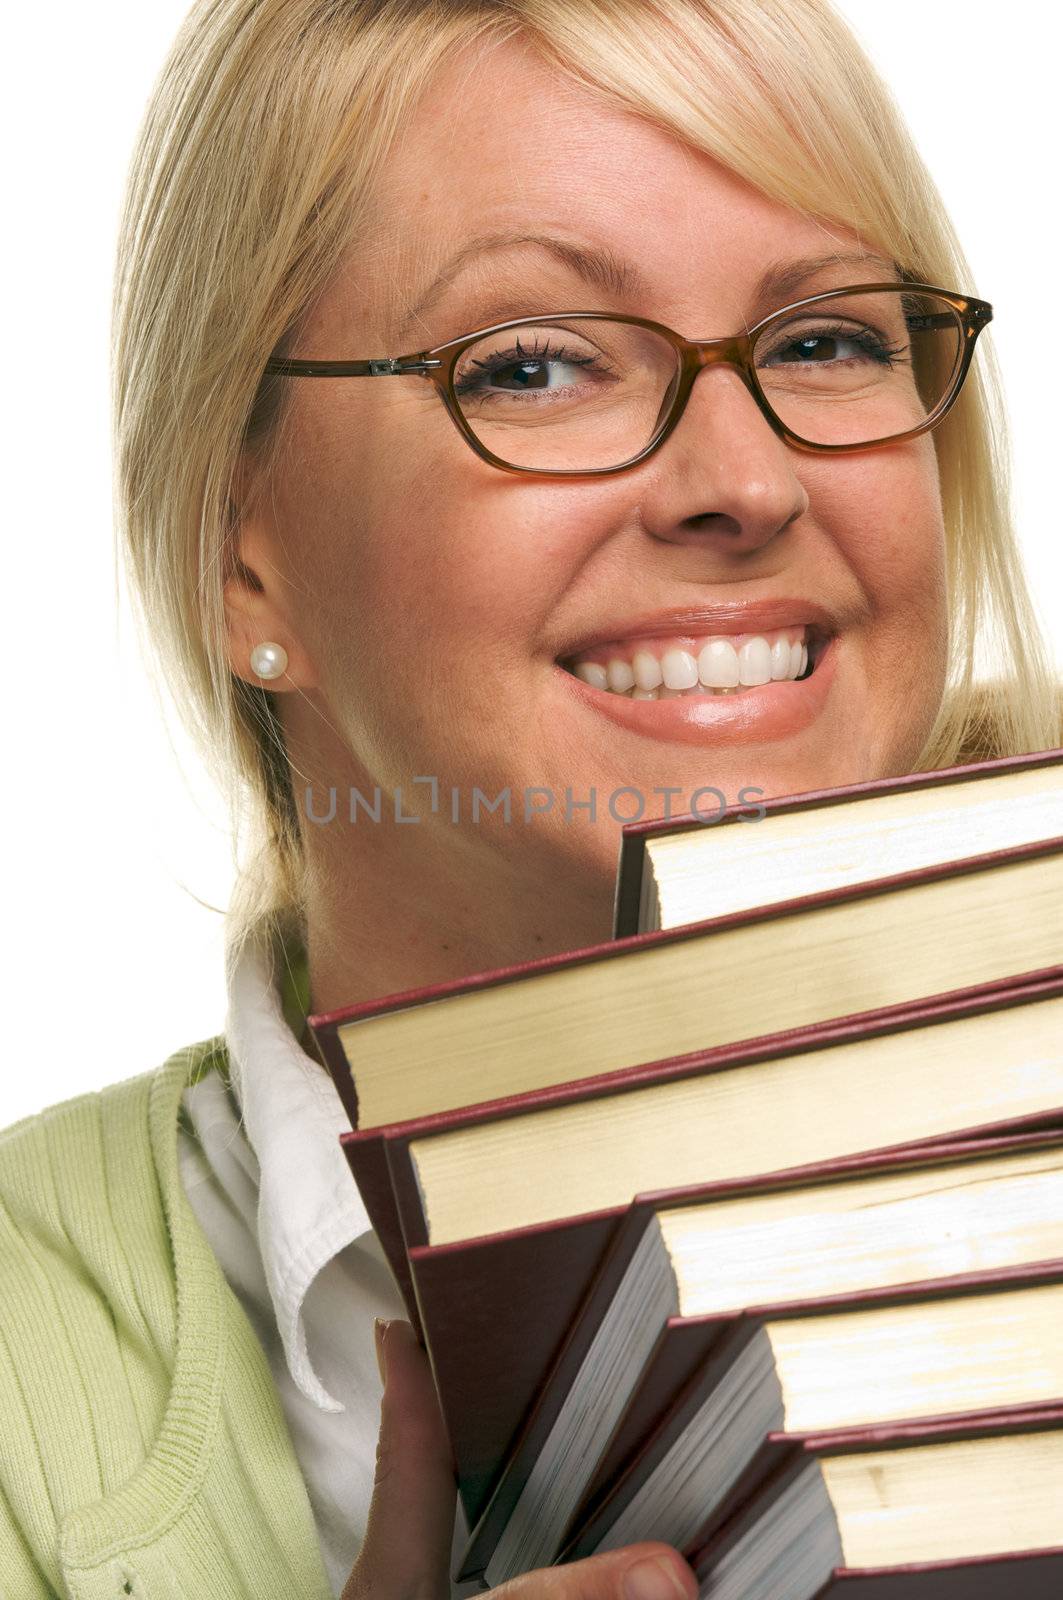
715, 661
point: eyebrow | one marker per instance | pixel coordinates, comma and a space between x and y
601, 268
783, 278
596, 265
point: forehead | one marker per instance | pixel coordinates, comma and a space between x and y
503, 141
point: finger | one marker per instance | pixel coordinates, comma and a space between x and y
646, 1571
407, 1545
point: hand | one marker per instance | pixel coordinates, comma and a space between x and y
406, 1551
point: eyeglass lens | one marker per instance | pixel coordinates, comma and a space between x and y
581, 393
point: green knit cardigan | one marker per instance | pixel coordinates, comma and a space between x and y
143, 1448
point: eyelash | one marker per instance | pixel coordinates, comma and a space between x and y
867, 340
503, 358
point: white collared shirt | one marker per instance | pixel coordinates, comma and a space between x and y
261, 1164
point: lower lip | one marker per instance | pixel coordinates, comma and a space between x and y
769, 711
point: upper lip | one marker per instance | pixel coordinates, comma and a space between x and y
724, 616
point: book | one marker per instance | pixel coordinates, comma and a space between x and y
680, 869
500, 1261
945, 1511
684, 1267
613, 1007
986, 1343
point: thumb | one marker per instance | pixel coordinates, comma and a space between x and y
408, 1539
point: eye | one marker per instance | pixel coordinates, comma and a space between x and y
517, 369
827, 344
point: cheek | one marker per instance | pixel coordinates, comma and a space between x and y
890, 530
452, 566
894, 541
380, 549
426, 587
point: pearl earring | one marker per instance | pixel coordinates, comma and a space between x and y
269, 660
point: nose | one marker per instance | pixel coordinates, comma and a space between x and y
723, 476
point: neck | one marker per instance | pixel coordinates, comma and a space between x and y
394, 904
387, 912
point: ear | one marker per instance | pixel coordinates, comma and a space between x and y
256, 611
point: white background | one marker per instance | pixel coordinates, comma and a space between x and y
116, 856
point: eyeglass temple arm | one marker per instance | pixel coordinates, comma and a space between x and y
383, 368
944, 319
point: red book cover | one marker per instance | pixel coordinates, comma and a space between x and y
496, 1313
634, 835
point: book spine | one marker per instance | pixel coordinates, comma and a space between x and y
367, 1159
496, 1312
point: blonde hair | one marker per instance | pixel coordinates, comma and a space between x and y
249, 181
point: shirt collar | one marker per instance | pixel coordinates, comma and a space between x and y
309, 1207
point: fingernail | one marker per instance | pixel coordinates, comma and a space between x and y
654, 1580
379, 1329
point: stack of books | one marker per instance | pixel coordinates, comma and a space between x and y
744, 1229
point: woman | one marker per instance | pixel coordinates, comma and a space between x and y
353, 590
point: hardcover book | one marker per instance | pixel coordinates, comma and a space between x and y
676, 870
944, 1511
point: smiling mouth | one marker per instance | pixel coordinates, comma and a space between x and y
701, 666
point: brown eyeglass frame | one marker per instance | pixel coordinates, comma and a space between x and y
437, 365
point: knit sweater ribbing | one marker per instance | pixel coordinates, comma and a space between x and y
143, 1449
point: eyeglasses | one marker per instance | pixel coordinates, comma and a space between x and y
583, 393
